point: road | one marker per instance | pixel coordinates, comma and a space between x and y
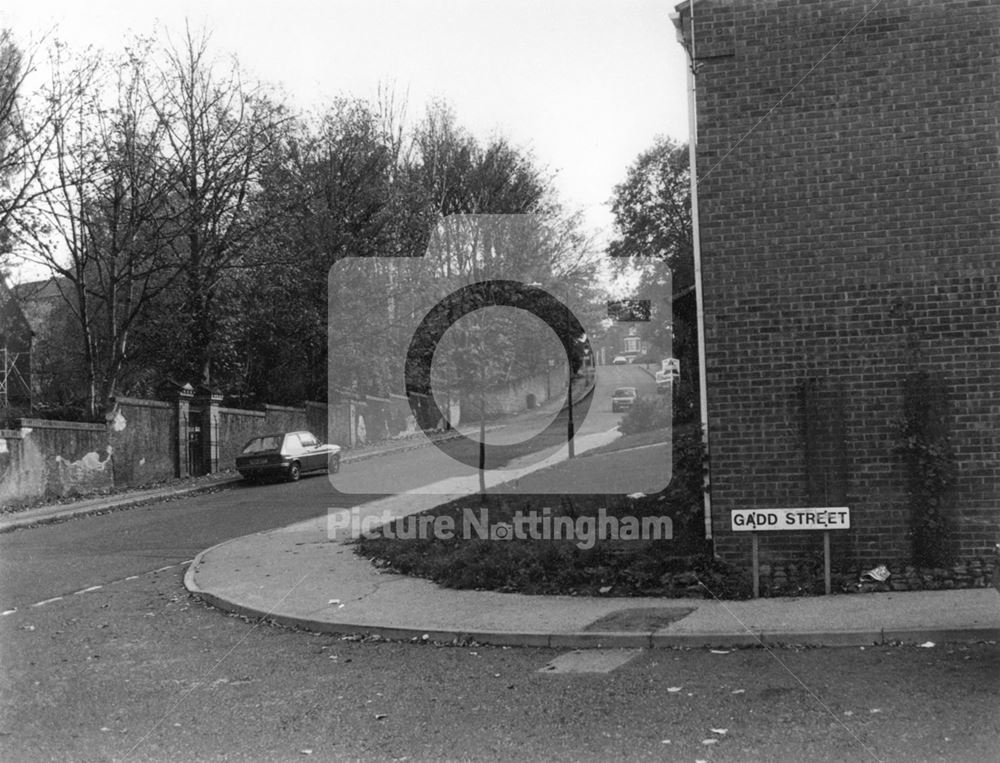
508, 446
139, 671
106, 657
58, 560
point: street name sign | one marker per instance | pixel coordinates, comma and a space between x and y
826, 518
823, 518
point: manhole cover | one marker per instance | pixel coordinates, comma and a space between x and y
644, 619
590, 661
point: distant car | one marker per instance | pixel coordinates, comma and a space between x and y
623, 398
286, 455
620, 360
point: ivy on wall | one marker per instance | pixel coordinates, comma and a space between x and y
931, 466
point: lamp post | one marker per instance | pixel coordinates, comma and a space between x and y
569, 388
569, 379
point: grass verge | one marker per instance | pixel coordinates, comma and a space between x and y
576, 561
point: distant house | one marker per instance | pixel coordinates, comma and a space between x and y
15, 354
56, 374
622, 339
633, 339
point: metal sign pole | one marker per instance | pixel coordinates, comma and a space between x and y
756, 567
826, 561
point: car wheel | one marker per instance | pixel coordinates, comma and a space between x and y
335, 464
294, 471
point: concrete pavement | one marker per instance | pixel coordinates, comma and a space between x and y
297, 576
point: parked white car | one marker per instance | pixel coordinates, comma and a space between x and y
286, 455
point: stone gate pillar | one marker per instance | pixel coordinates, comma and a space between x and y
182, 408
210, 431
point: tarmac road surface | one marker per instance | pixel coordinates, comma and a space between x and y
139, 671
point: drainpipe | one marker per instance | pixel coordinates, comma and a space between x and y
696, 246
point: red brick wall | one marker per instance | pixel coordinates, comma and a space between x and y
850, 237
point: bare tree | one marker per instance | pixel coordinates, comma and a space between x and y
26, 134
218, 133
100, 210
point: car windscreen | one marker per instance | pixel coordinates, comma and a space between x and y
259, 444
624, 392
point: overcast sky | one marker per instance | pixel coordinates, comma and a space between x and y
585, 84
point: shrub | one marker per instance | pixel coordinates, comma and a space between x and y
647, 413
931, 466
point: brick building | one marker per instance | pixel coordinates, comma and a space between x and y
849, 201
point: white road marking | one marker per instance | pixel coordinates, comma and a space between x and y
98, 587
47, 601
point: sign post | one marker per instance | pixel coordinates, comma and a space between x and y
826, 561
816, 518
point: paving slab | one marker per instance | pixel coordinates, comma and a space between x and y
590, 661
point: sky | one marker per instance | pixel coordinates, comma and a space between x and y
586, 85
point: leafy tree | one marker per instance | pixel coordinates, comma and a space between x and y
459, 175
652, 212
334, 181
355, 184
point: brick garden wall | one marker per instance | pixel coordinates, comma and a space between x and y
849, 238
